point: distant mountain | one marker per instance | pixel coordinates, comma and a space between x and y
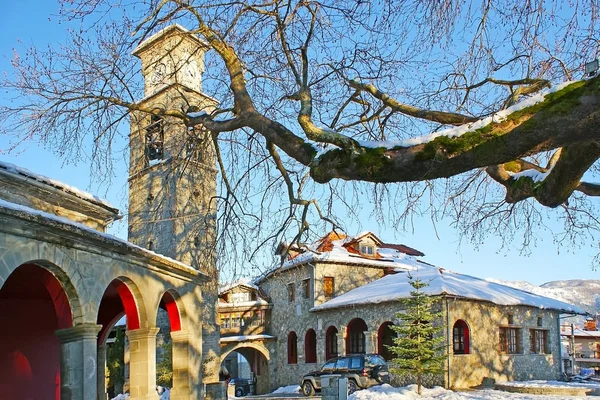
584, 293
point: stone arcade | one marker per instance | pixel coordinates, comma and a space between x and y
64, 283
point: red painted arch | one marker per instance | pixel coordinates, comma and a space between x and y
34, 305
133, 319
173, 310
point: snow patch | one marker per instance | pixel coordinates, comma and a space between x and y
14, 169
106, 236
443, 282
470, 127
245, 338
287, 389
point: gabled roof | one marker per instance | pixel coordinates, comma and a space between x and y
442, 282
174, 29
244, 283
336, 247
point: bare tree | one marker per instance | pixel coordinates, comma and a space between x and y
328, 103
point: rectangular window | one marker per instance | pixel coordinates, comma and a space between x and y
306, 288
538, 341
291, 292
225, 321
328, 286
236, 320
509, 341
239, 297
367, 250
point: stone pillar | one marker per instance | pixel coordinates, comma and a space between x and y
142, 363
78, 362
181, 366
371, 342
300, 350
102, 395
341, 338
321, 347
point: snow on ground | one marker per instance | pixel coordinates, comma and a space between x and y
387, 392
288, 389
164, 394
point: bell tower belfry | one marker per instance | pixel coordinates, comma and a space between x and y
172, 175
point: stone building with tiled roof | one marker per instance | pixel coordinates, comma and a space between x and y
340, 295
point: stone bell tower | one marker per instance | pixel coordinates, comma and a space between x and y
172, 175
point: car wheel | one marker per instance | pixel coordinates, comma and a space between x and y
239, 392
307, 388
352, 387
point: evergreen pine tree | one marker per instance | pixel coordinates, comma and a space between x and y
419, 345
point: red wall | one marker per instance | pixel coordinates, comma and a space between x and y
29, 350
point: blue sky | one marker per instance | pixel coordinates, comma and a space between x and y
32, 22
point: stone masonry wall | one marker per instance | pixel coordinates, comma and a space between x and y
485, 361
484, 321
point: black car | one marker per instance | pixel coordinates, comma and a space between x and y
243, 386
362, 371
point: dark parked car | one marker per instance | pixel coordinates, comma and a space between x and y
362, 371
243, 386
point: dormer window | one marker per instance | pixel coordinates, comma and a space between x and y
367, 250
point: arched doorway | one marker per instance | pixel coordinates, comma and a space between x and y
310, 347
355, 339
33, 305
331, 342
249, 363
292, 348
118, 304
385, 338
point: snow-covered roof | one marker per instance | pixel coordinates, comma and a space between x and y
16, 170
443, 282
582, 333
245, 338
388, 257
33, 213
243, 282
245, 304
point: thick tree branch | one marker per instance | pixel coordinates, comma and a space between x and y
442, 117
567, 117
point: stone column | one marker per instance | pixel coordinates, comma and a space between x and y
341, 338
370, 342
102, 395
321, 347
142, 363
181, 366
78, 362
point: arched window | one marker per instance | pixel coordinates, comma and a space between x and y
331, 343
460, 337
385, 338
355, 341
292, 348
310, 347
